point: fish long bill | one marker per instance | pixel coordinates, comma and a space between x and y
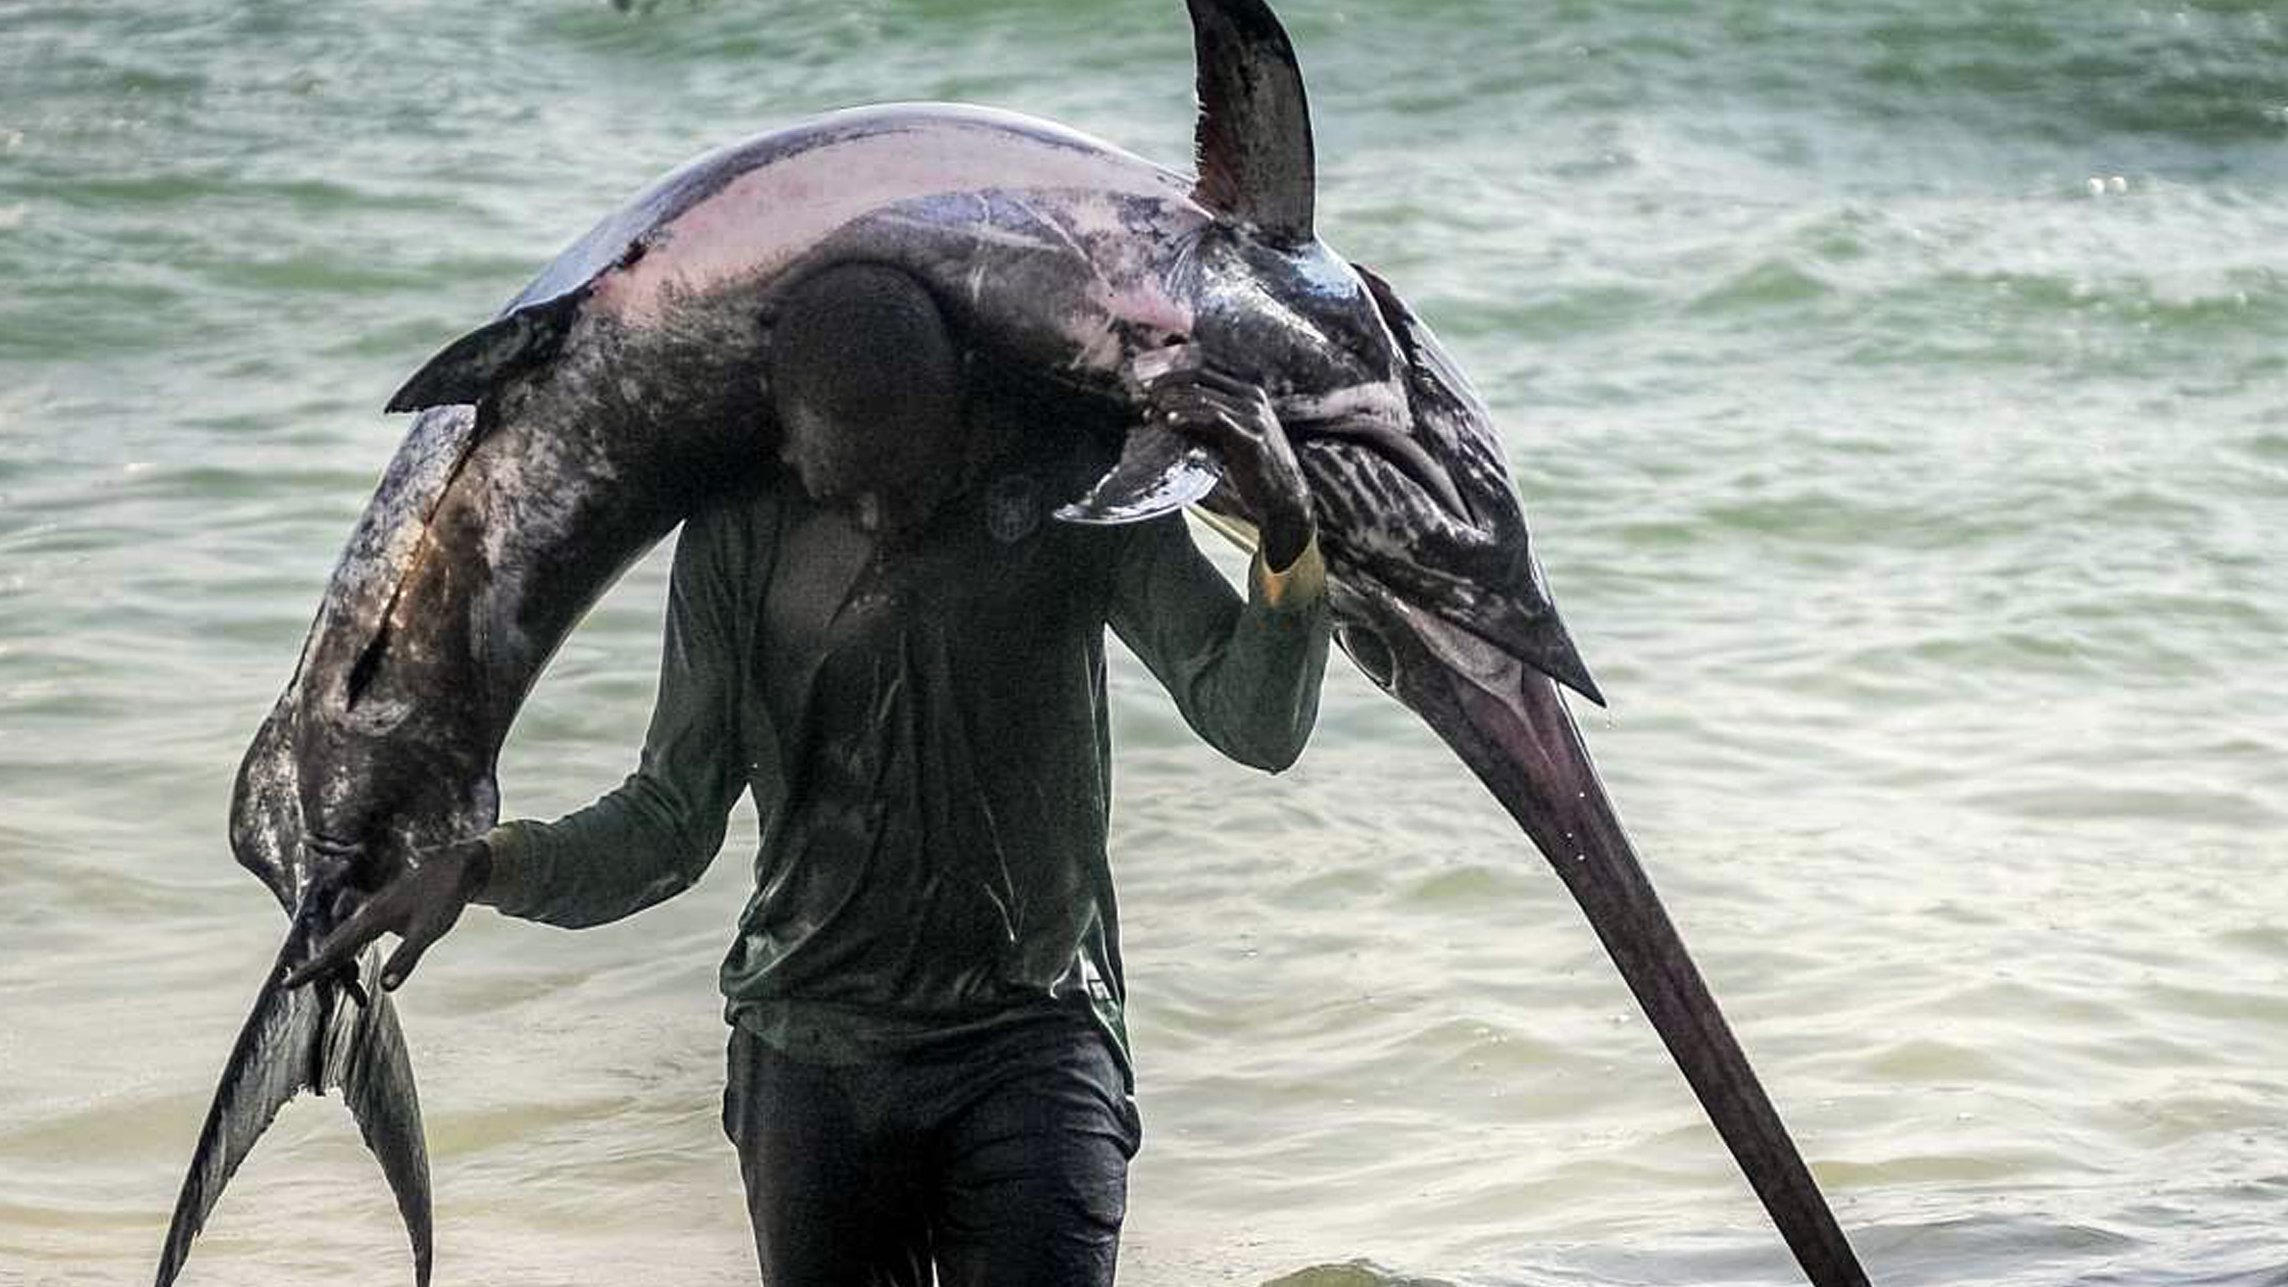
1509, 723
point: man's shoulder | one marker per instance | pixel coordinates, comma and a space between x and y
724, 537
739, 512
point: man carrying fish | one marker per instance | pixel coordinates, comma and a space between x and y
903, 660
860, 356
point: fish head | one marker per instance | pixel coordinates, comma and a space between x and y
1299, 322
1432, 511
1408, 475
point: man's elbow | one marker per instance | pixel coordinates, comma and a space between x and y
667, 885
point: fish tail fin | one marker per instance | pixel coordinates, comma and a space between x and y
309, 1038
269, 1064
376, 1077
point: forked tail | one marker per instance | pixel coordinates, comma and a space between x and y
330, 1033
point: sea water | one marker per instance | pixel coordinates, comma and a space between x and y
1897, 391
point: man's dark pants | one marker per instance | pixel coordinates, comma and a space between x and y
1003, 1161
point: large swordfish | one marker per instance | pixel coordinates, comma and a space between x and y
624, 388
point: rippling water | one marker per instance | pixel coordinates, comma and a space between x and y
1897, 387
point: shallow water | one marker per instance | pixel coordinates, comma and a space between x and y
1897, 391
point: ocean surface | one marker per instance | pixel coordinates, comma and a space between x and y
1899, 389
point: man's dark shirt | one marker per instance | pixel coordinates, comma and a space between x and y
922, 721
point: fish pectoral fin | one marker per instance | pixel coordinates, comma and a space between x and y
1159, 471
471, 367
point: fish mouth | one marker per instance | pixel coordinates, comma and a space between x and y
1509, 723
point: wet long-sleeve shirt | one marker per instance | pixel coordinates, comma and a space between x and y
923, 725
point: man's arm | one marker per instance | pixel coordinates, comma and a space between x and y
656, 833
1245, 675
640, 843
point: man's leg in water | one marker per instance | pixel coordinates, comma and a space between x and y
835, 1183
1032, 1174
1004, 1160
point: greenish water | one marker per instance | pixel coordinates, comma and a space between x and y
1897, 388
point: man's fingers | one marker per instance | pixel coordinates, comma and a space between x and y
347, 940
1245, 403
407, 955
1205, 409
1217, 429
1224, 381
1207, 377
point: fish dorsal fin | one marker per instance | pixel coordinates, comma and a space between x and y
1254, 137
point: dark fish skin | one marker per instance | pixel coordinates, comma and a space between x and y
491, 533
623, 390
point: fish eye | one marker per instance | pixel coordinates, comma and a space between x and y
1370, 653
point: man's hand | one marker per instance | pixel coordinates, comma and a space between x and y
419, 906
1235, 418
